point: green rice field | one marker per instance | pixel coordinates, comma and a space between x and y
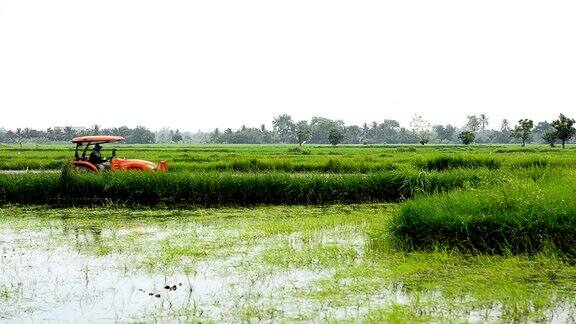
278, 233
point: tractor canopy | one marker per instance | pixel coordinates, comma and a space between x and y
96, 139
87, 141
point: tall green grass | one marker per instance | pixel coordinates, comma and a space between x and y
290, 158
522, 216
445, 162
147, 188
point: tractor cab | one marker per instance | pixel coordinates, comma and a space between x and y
82, 161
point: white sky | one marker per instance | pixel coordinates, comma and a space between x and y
214, 63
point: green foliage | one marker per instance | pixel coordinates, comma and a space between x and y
526, 216
302, 132
467, 137
564, 128
421, 127
550, 137
445, 162
473, 123
335, 136
298, 150
445, 133
522, 130
284, 127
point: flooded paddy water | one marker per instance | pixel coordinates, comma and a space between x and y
256, 264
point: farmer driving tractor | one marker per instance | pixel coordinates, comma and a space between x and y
95, 162
96, 158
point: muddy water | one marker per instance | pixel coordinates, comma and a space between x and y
59, 269
46, 274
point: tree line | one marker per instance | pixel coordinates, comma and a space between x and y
321, 130
140, 135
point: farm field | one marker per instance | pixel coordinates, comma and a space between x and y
290, 158
276, 233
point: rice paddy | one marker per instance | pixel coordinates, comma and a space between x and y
273, 233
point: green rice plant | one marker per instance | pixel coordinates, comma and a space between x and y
445, 162
515, 150
531, 162
286, 158
298, 150
209, 188
519, 216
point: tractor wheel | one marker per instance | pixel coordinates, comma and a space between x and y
82, 168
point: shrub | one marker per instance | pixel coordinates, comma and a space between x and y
520, 217
467, 137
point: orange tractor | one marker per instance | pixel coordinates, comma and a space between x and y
83, 163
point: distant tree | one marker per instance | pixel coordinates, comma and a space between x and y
389, 130
444, 133
247, 135
365, 133
176, 136
522, 130
69, 132
141, 135
196, 137
19, 136
439, 130
215, 136
422, 128
406, 136
449, 132
163, 135
320, 129
302, 132
505, 126
228, 136
540, 129
284, 128
550, 137
467, 137
353, 134
473, 123
564, 128
335, 136
95, 129
375, 133
483, 122
303, 135
266, 135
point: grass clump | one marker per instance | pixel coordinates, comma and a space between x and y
298, 150
523, 216
532, 162
445, 162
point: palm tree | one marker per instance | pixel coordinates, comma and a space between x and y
505, 126
483, 121
95, 129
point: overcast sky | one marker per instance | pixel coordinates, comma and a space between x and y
204, 64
